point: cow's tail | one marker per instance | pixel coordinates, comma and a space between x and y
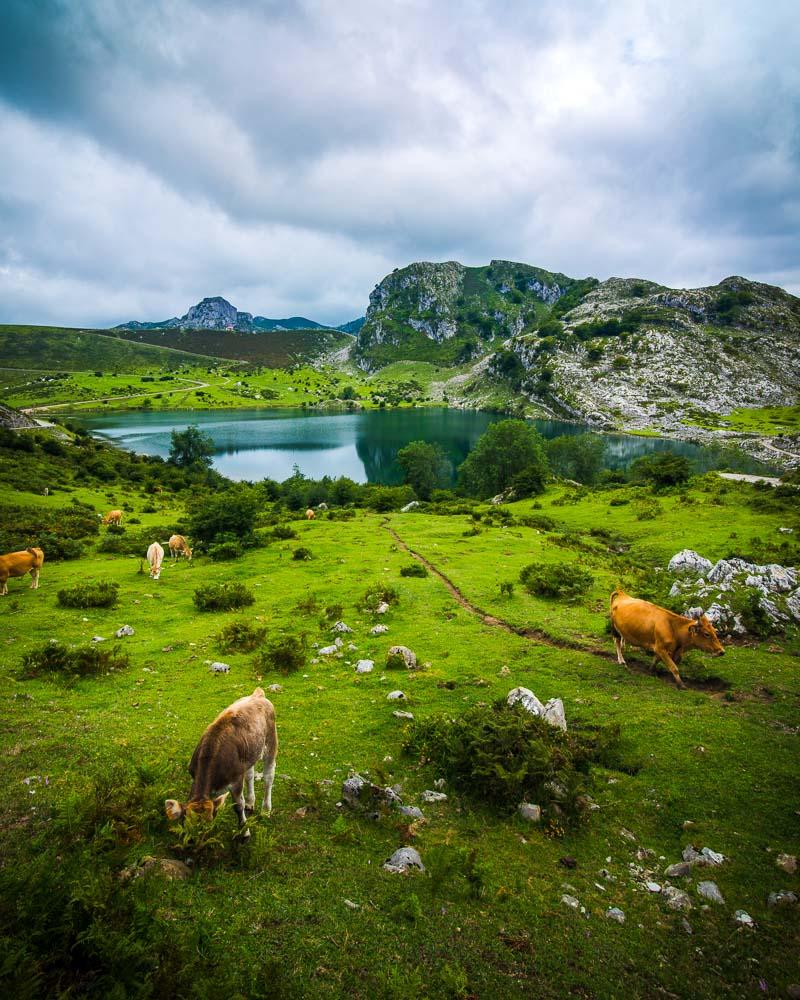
615, 596
38, 556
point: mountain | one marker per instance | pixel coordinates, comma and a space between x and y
353, 326
218, 314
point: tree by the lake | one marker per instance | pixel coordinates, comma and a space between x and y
191, 448
507, 449
576, 456
225, 516
662, 469
425, 467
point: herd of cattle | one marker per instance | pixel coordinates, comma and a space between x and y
245, 732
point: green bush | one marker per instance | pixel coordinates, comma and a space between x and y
57, 548
378, 593
539, 521
555, 580
241, 637
662, 469
284, 653
415, 569
223, 597
225, 551
507, 588
302, 554
283, 532
68, 661
92, 594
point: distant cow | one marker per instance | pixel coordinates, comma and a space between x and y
178, 546
310, 515
662, 632
18, 564
155, 555
226, 757
113, 517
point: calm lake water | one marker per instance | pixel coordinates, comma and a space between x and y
256, 444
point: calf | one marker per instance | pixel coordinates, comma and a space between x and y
155, 555
178, 546
225, 758
113, 517
310, 515
18, 564
664, 633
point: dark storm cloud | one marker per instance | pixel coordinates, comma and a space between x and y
287, 155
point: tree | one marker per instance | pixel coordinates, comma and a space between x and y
662, 469
228, 515
577, 456
425, 467
506, 449
191, 448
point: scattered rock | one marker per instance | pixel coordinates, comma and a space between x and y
358, 791
124, 630
785, 897
431, 796
351, 905
568, 862
570, 901
274, 688
681, 869
168, 867
403, 860
627, 835
409, 506
382, 608
379, 629
403, 715
328, 650
652, 887
710, 891
712, 857
743, 918
398, 653
219, 668
98, 638
395, 696
341, 627
787, 863
689, 563
615, 913
413, 812
532, 813
676, 899
552, 712
365, 666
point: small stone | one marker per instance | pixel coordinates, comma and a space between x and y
652, 887
527, 699
643, 853
787, 863
568, 861
676, 899
341, 627
439, 783
615, 913
382, 608
328, 650
403, 715
124, 630
365, 666
785, 897
570, 901
395, 696
413, 812
686, 926
398, 653
219, 668
431, 796
351, 905
627, 835
379, 629
505, 672
403, 860
554, 713
712, 857
710, 891
743, 918
275, 688
98, 638
681, 869
530, 812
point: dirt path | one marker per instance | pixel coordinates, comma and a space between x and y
711, 683
741, 477
135, 395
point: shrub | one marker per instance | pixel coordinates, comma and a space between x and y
116, 529
539, 521
223, 597
555, 580
241, 637
225, 515
662, 469
224, 551
377, 594
82, 661
415, 569
283, 532
57, 548
503, 755
343, 514
507, 588
302, 554
92, 594
333, 612
284, 653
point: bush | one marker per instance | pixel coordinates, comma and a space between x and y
57, 548
223, 597
302, 554
377, 594
224, 551
555, 580
283, 532
507, 588
415, 569
223, 516
82, 661
662, 469
241, 637
539, 521
92, 594
284, 653
503, 755
116, 529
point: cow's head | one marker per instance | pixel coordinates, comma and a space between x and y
704, 636
202, 808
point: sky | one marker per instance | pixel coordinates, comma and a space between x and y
289, 155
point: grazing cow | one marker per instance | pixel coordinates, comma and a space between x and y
667, 635
113, 517
178, 546
225, 758
18, 564
46, 491
155, 554
310, 515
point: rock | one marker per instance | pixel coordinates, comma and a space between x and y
710, 891
124, 630
786, 531
712, 857
322, 506
395, 696
274, 688
679, 870
570, 901
217, 667
527, 699
743, 918
644, 853
554, 713
397, 654
652, 887
676, 899
409, 506
403, 860
785, 897
358, 791
687, 927
365, 666
341, 627
328, 650
351, 905
787, 863
413, 812
379, 630
98, 638
351, 647
530, 812
168, 867
687, 562
403, 715
627, 835
615, 913
690, 853
382, 608
431, 796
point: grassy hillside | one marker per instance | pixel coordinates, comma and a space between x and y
305, 908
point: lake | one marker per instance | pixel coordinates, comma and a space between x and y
258, 444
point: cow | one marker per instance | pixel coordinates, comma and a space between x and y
155, 555
178, 546
113, 517
310, 515
667, 635
18, 564
225, 758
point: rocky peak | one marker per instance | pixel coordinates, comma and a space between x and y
216, 313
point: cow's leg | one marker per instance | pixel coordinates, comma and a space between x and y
669, 663
238, 803
249, 791
269, 778
4, 591
34, 579
620, 645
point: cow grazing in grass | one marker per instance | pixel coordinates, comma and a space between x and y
18, 564
225, 758
310, 515
155, 556
667, 635
178, 546
113, 517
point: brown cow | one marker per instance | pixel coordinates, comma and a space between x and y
662, 632
113, 517
18, 564
178, 546
310, 515
225, 758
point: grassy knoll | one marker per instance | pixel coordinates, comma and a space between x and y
272, 918
756, 420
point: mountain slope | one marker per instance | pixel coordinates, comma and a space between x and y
216, 313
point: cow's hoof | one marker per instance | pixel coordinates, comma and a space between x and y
249, 810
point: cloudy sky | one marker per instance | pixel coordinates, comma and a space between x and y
289, 155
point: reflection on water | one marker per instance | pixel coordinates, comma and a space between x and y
258, 444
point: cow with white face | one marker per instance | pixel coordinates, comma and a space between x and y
155, 556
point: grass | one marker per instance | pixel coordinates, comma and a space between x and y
766, 420
269, 919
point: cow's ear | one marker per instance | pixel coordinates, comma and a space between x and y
174, 810
219, 802
694, 626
